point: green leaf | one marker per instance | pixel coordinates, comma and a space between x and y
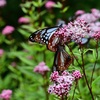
9, 42
94, 54
26, 70
86, 50
27, 47
26, 5
38, 3
24, 32
39, 47
2, 38
96, 85
25, 60
28, 27
1, 83
35, 3
58, 5
16, 53
96, 81
64, 10
24, 10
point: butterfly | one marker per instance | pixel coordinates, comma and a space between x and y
46, 36
62, 59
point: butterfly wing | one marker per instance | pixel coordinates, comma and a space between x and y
53, 43
62, 59
46, 36
42, 36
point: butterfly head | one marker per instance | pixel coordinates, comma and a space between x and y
31, 38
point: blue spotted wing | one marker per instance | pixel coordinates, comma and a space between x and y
46, 36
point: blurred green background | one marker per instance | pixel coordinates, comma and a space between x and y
20, 57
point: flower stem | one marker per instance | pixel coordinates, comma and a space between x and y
74, 91
46, 84
62, 97
94, 64
83, 69
45, 87
74, 55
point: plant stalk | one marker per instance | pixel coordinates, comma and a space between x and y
94, 64
83, 69
74, 90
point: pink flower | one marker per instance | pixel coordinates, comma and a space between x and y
95, 27
2, 3
61, 83
76, 74
96, 12
1, 52
95, 30
51, 88
88, 17
96, 35
77, 30
41, 68
65, 73
74, 31
79, 12
23, 20
54, 76
6, 94
49, 4
8, 30
63, 34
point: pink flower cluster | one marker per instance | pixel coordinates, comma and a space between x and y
78, 30
23, 20
95, 30
86, 25
76, 74
2, 3
96, 13
96, 35
6, 94
62, 83
49, 4
79, 12
74, 31
41, 68
8, 30
89, 17
93, 20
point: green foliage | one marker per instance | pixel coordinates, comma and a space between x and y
20, 78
